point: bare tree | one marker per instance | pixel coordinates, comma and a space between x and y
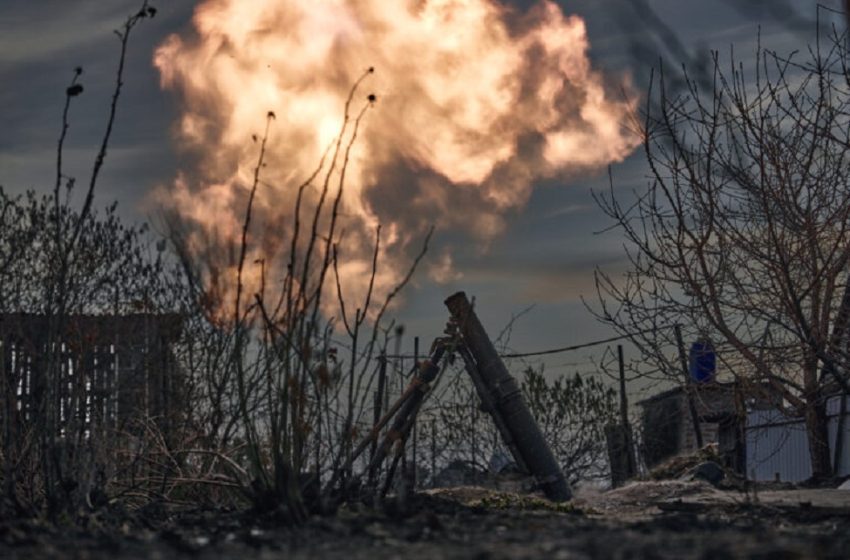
742, 230
57, 261
285, 374
573, 412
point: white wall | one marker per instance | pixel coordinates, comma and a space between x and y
779, 444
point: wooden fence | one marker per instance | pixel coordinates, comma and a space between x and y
106, 371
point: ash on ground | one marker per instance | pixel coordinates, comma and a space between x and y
645, 519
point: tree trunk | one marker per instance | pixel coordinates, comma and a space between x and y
815, 417
816, 429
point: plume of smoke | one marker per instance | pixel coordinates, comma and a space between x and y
475, 103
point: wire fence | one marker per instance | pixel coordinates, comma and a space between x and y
452, 433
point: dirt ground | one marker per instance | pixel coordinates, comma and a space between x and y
667, 519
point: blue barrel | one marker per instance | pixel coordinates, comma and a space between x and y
702, 362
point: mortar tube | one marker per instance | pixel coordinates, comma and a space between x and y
509, 403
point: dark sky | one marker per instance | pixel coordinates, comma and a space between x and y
545, 258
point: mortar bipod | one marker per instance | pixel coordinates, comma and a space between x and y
404, 409
419, 387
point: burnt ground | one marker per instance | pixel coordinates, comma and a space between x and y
670, 519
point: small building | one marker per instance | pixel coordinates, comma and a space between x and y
756, 439
668, 427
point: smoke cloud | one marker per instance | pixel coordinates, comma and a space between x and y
474, 102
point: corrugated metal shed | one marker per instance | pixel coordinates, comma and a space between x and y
778, 447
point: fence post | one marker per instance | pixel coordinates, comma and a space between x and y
631, 469
688, 394
415, 419
433, 452
380, 395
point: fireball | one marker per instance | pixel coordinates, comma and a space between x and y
471, 102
